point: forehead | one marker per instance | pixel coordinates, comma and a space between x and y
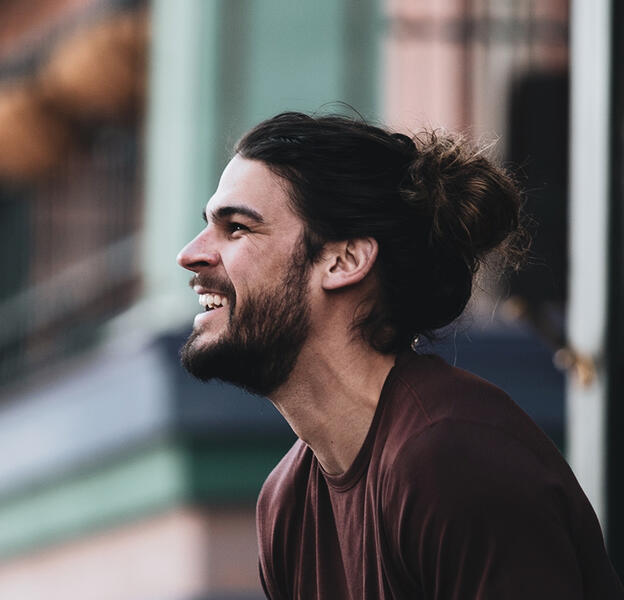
251, 183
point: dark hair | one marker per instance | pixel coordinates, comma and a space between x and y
435, 204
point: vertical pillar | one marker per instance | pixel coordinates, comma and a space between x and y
589, 202
182, 123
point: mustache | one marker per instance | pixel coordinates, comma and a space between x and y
213, 283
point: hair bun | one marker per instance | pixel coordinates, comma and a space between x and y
474, 204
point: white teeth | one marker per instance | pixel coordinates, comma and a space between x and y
212, 300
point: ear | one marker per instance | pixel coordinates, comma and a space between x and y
348, 262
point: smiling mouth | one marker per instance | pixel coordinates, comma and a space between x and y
212, 301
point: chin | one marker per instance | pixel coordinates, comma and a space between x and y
247, 366
200, 339
200, 346
250, 349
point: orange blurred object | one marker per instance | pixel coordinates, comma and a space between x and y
33, 139
99, 72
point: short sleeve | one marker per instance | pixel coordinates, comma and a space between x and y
470, 513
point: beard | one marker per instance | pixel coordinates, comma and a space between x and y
261, 344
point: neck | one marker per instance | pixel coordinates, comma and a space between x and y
330, 399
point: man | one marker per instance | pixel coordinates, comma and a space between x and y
329, 246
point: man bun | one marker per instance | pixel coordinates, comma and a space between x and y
474, 203
434, 202
473, 207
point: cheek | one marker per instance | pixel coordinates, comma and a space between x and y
254, 264
258, 264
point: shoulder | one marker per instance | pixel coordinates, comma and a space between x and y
442, 390
450, 415
462, 471
457, 453
434, 408
461, 433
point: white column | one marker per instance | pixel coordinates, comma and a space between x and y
589, 201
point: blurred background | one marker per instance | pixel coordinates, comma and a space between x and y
120, 476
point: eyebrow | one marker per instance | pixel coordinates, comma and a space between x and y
227, 211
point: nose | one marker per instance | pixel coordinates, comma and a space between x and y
197, 255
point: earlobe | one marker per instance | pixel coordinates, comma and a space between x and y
349, 262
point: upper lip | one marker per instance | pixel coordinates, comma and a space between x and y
198, 289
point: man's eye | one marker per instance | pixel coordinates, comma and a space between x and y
233, 227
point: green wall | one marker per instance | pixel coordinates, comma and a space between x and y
159, 476
218, 67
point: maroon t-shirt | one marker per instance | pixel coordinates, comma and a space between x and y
455, 494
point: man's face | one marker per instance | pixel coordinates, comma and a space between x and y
251, 276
